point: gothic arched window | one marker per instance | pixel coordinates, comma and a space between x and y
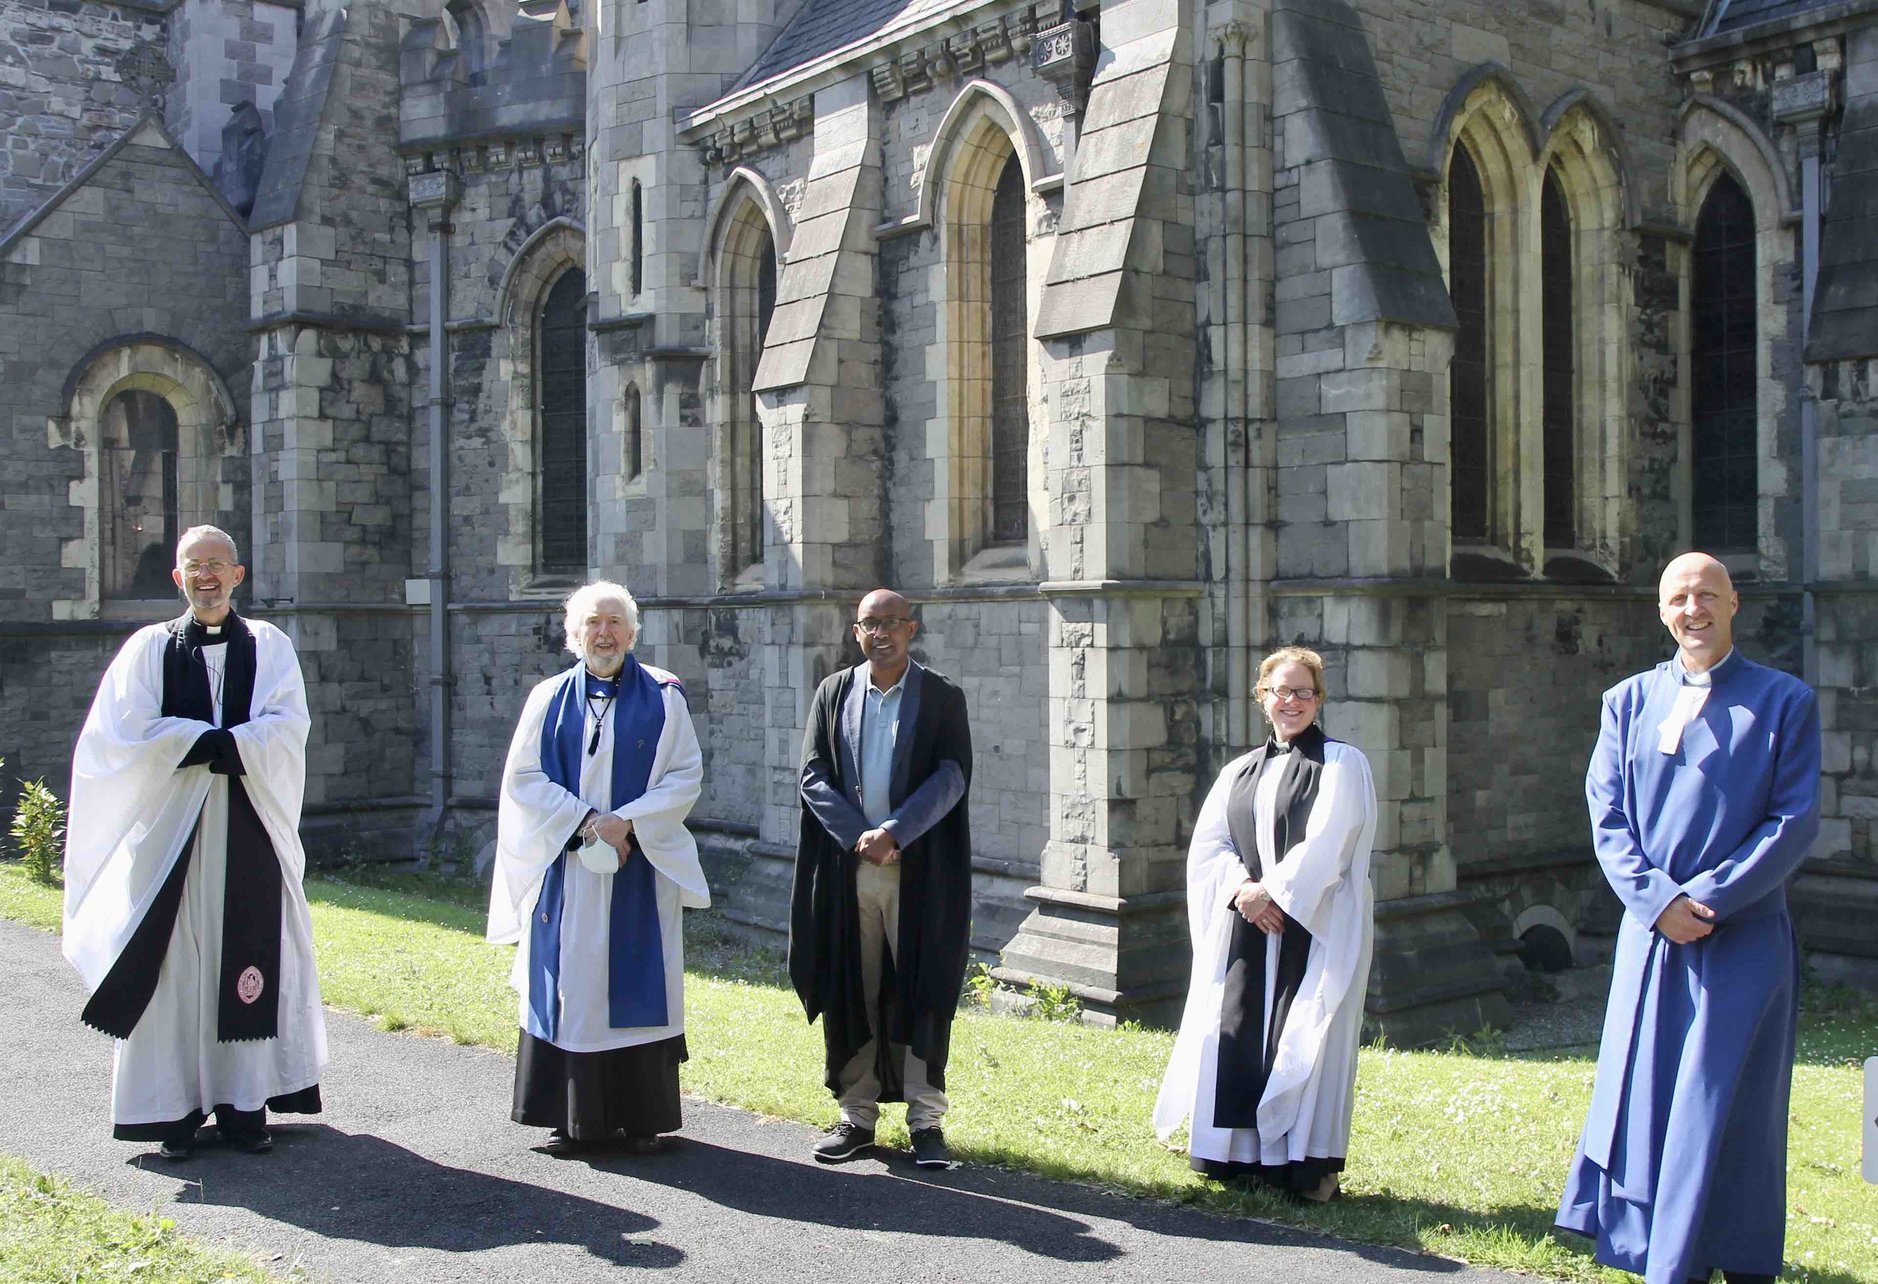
1470, 462
1010, 345
561, 409
1725, 483
1558, 362
139, 468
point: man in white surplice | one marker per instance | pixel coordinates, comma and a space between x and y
594, 867
1279, 905
184, 911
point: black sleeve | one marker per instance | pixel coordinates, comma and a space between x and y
209, 749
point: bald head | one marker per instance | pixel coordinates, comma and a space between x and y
1696, 600
1698, 564
883, 602
884, 627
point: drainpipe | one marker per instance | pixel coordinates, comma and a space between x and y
1809, 405
432, 195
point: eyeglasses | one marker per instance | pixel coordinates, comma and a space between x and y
892, 624
1303, 695
215, 567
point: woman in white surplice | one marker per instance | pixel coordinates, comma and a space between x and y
1279, 905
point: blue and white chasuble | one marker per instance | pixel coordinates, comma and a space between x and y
1682, 1165
601, 964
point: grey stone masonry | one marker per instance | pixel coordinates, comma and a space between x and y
1120, 565
63, 92
133, 277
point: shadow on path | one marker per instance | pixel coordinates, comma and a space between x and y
862, 1199
352, 1186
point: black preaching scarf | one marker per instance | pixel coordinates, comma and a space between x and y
1248, 1035
248, 1002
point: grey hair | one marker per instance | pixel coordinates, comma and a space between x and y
199, 532
582, 601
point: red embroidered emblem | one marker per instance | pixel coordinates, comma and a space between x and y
249, 986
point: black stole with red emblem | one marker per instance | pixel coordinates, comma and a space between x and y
248, 1003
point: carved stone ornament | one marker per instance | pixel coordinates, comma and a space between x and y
1804, 97
146, 69
1063, 51
437, 188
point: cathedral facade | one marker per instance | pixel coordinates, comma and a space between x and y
1128, 338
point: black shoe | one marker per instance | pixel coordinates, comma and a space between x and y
177, 1149
642, 1143
929, 1148
256, 1141
559, 1143
843, 1142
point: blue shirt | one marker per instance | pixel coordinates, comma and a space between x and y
880, 727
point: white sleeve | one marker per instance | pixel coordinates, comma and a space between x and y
272, 743
534, 819
658, 815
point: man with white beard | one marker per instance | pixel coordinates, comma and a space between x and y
594, 867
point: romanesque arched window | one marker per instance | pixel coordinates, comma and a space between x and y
1558, 365
561, 427
1468, 377
139, 470
1010, 348
1725, 481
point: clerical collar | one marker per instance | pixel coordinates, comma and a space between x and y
601, 688
1707, 676
198, 634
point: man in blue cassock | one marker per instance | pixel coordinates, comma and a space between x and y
1704, 795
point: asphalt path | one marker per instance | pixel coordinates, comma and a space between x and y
415, 1173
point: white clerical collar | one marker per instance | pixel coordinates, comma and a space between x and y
1704, 678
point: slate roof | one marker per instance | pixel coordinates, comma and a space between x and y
297, 121
1733, 15
1845, 302
823, 26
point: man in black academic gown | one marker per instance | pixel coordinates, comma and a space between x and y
881, 911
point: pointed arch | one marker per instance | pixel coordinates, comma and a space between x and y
543, 261
976, 102
1486, 86
1714, 140
1581, 163
547, 251
743, 184
744, 260
1489, 134
980, 192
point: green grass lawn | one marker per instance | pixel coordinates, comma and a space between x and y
1459, 1152
51, 1232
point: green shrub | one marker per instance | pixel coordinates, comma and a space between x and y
39, 831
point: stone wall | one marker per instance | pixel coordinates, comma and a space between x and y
143, 254
63, 97
40, 719
1525, 674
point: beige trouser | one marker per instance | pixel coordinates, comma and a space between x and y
877, 887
